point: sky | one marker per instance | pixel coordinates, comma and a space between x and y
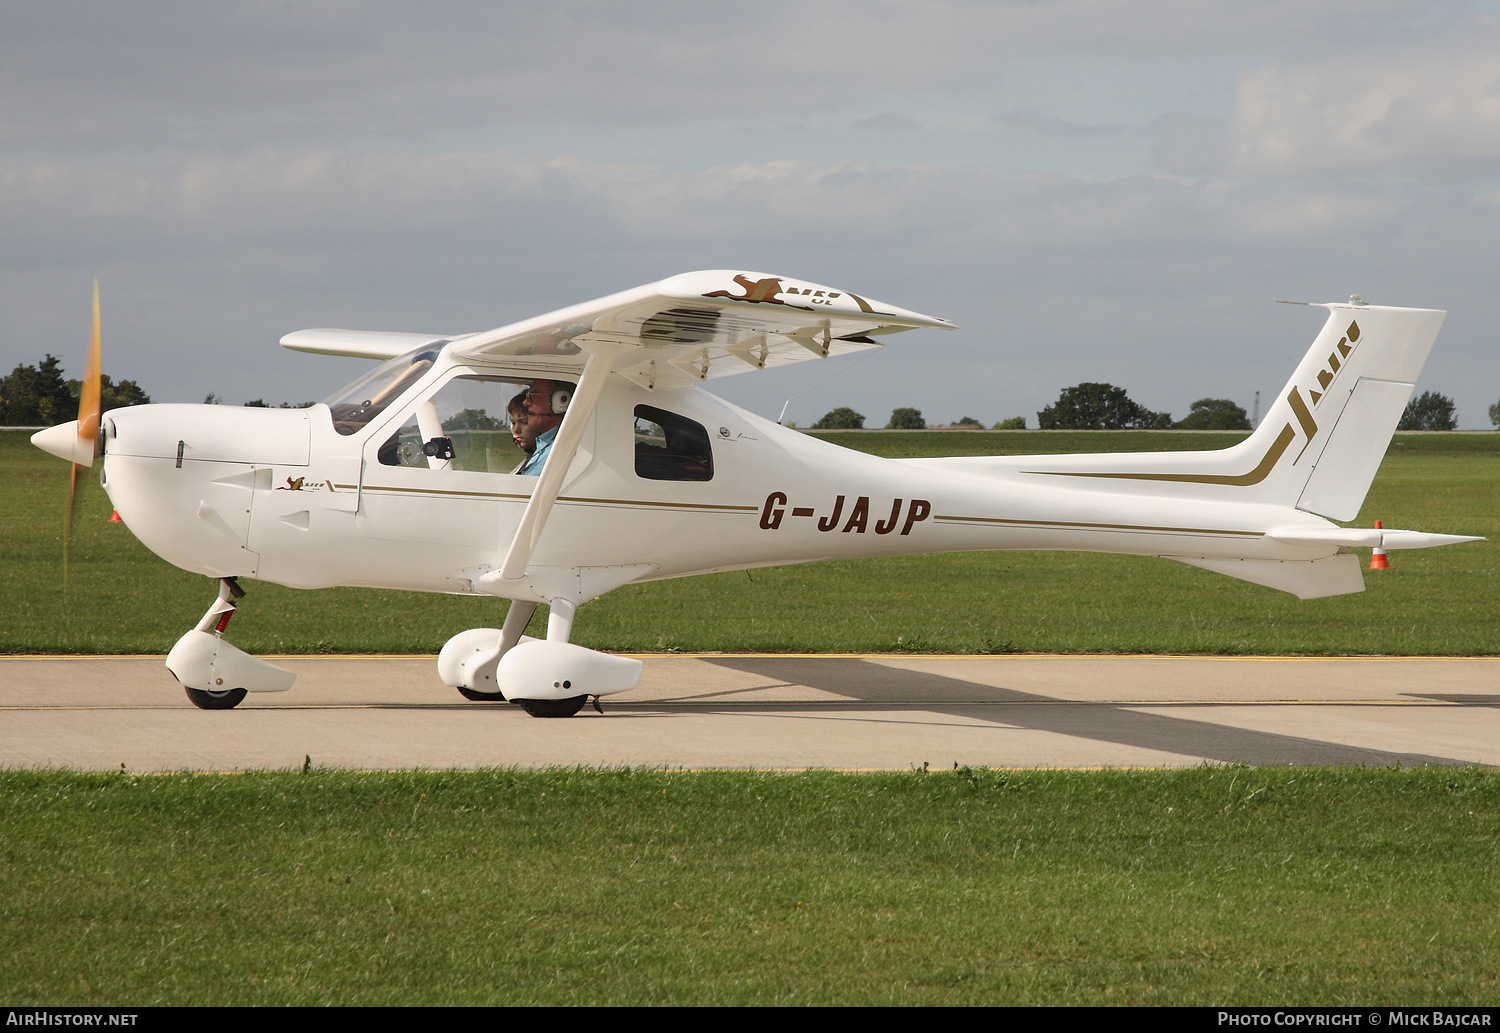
1093, 190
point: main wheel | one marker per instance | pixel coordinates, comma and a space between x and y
553, 707
225, 699
481, 697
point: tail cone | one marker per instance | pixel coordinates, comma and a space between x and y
1377, 557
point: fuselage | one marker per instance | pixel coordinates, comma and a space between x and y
299, 498
411, 477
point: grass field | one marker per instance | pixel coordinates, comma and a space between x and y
122, 599
1225, 886
1221, 886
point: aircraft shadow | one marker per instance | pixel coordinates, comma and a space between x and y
881, 687
1464, 698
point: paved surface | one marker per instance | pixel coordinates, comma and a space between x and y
759, 711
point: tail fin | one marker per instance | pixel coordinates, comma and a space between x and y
1325, 435
1321, 442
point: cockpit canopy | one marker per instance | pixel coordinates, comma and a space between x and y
359, 403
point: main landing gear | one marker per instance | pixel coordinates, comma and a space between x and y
548, 677
215, 674
553, 707
481, 697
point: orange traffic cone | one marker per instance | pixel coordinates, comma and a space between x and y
1377, 558
114, 517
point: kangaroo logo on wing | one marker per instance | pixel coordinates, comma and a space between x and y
759, 291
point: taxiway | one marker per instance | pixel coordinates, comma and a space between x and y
775, 711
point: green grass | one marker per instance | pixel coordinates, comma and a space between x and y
1435, 602
1224, 886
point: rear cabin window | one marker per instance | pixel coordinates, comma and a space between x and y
669, 447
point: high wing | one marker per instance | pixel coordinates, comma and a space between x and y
359, 344
701, 325
705, 324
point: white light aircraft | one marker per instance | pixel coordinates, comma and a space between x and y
407, 478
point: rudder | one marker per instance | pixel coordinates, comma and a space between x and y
1334, 419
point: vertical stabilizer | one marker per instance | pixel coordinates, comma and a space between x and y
1328, 429
1320, 443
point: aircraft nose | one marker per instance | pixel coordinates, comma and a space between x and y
63, 442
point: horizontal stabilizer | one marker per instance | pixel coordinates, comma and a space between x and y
1422, 540
1306, 579
1366, 537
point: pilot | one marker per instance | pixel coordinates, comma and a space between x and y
546, 402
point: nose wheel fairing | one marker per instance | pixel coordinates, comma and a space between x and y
216, 674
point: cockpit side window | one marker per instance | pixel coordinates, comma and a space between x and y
669, 447
474, 423
359, 403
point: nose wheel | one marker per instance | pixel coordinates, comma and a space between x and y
224, 699
216, 674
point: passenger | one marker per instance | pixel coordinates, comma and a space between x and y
524, 438
546, 402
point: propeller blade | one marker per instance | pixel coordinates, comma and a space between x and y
88, 396
68, 520
88, 429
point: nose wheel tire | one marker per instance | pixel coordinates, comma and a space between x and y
226, 699
481, 697
553, 707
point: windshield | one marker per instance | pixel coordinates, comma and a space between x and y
359, 403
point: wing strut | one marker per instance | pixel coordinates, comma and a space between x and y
580, 409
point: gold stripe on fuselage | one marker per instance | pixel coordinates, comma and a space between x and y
440, 492
1081, 525
1262, 470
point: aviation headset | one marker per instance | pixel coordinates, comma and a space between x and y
558, 400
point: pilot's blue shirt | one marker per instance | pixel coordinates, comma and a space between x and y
533, 465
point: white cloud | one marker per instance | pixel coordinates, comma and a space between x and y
888, 122
1030, 118
186, 74
236, 171
1432, 112
207, 260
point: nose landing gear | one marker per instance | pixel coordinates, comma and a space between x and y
215, 674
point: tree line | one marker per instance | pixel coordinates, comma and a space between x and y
40, 396
1092, 406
